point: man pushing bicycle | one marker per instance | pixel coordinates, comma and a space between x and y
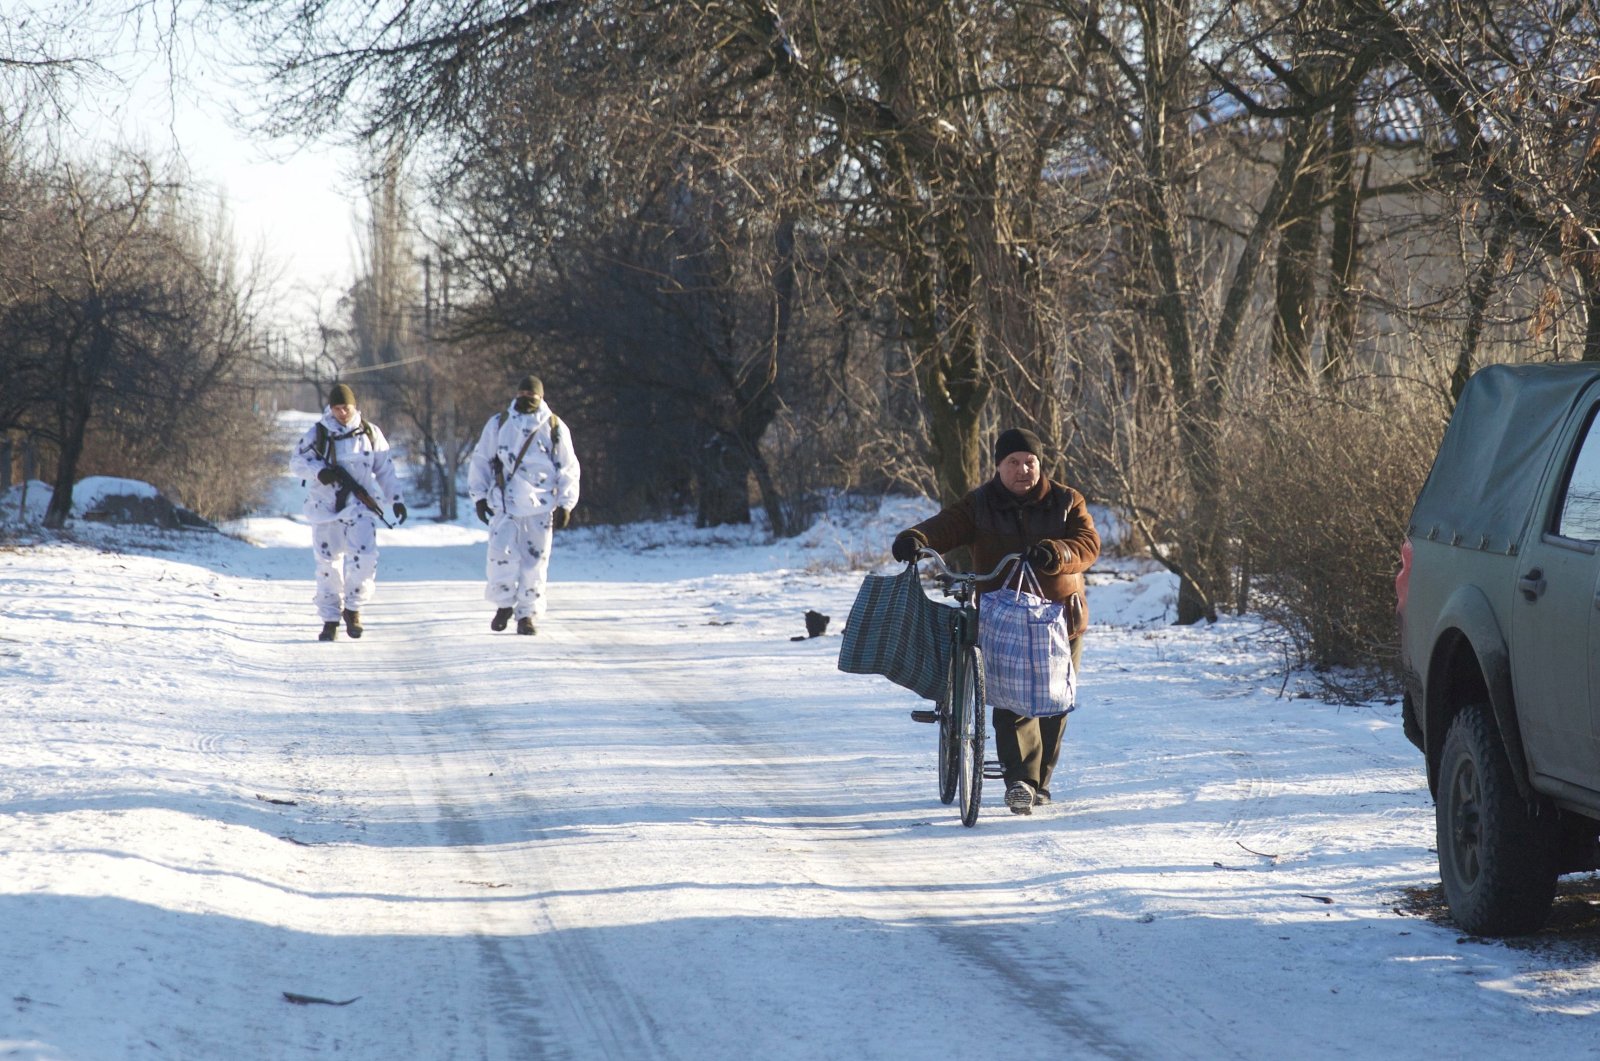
1020, 510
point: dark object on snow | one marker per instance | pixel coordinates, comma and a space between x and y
816, 626
151, 511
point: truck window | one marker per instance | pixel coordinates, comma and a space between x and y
1580, 501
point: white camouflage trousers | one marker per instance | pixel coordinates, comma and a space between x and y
347, 565
519, 560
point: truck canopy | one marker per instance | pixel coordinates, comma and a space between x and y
1494, 451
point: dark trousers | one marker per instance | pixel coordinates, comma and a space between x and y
1029, 747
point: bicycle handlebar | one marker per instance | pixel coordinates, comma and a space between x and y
943, 571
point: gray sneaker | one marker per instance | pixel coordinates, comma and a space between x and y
1019, 797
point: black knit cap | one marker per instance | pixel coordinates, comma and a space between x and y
341, 394
533, 384
1017, 440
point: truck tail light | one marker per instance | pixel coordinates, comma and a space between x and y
1402, 581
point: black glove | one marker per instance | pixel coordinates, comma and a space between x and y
484, 512
329, 475
560, 518
905, 546
1041, 556
399, 512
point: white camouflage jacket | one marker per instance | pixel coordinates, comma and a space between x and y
365, 457
547, 476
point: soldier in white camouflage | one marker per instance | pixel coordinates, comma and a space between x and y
343, 460
523, 480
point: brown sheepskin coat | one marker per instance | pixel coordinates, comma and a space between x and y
995, 522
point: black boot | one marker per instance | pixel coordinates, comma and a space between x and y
330, 632
524, 625
502, 616
352, 622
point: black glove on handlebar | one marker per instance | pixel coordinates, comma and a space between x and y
905, 546
1041, 556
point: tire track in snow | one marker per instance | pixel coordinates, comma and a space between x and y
998, 959
550, 995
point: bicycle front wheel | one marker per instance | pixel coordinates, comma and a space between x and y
971, 728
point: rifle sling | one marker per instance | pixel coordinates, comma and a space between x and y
518, 462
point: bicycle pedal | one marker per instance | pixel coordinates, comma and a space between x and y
992, 770
924, 715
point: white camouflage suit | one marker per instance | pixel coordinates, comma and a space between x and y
344, 539
520, 530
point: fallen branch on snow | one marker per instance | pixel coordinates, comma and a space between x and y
312, 1000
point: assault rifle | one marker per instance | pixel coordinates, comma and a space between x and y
350, 486
370, 502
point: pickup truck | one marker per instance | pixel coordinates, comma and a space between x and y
1499, 612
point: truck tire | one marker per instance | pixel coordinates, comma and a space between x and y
1497, 853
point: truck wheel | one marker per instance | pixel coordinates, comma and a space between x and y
1497, 854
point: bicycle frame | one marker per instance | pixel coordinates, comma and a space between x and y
962, 723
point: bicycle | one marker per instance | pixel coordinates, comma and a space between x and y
962, 725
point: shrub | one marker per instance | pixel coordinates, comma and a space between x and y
1322, 492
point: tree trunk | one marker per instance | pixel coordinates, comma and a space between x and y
76, 405
1301, 231
760, 412
951, 399
450, 466
75, 423
1478, 293
1343, 243
1589, 281
722, 483
947, 353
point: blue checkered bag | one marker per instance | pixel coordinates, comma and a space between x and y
896, 631
1027, 651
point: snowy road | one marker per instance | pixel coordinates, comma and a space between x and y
663, 829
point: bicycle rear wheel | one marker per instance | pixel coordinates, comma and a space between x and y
949, 746
971, 728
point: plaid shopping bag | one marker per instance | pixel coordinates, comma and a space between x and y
1027, 653
896, 631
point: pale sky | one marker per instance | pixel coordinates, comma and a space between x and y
292, 203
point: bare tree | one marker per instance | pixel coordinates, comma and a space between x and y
1515, 86
116, 315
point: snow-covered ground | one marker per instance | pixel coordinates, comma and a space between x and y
664, 828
